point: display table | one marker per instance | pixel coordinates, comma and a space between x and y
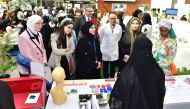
177, 92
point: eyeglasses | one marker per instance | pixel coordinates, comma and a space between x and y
69, 27
90, 11
112, 18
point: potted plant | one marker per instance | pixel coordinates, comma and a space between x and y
183, 71
7, 63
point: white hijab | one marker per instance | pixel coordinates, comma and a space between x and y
31, 23
166, 23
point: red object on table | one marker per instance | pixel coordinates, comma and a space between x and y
108, 85
23, 86
103, 86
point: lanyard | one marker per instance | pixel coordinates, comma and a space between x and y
34, 42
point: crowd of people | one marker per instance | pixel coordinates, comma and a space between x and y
56, 40
85, 48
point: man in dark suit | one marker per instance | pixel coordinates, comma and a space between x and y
89, 11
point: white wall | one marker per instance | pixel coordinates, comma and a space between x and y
182, 31
162, 4
183, 9
180, 1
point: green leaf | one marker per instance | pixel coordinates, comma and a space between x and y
183, 71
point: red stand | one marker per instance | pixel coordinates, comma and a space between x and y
21, 88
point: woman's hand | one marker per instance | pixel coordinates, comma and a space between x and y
126, 58
99, 65
45, 64
67, 49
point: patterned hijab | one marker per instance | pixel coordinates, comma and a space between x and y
168, 24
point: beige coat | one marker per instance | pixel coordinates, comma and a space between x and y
56, 54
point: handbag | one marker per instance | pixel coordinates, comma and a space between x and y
23, 61
71, 65
173, 68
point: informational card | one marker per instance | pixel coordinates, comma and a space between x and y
32, 98
37, 69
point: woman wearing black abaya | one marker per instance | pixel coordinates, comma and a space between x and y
88, 55
141, 84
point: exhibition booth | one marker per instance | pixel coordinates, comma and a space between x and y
177, 93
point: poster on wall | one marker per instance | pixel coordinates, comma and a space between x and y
119, 7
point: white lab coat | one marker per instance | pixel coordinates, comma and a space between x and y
109, 41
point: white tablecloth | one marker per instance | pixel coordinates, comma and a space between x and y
177, 93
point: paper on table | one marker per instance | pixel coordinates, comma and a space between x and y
32, 98
37, 69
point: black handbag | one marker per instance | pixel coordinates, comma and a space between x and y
23, 61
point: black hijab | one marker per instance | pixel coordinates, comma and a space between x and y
6, 96
146, 19
141, 84
136, 13
85, 29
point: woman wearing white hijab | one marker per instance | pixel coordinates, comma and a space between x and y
30, 43
164, 49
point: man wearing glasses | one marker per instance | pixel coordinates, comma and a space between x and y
110, 35
89, 11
